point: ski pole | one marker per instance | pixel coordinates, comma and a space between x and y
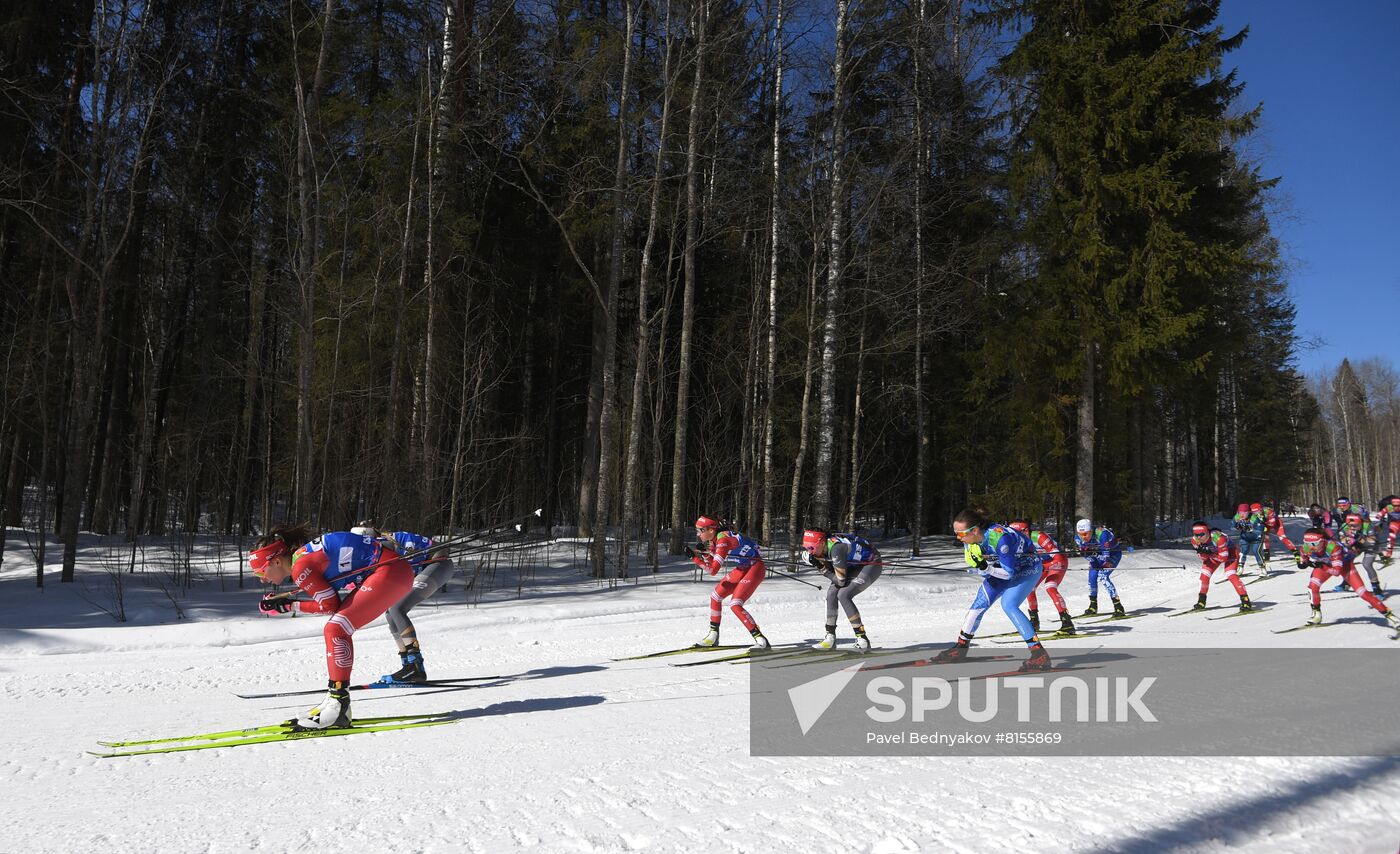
767, 563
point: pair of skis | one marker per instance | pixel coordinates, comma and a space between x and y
285, 731
464, 682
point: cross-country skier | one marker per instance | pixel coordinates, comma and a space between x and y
430, 573
1389, 527
1250, 527
720, 543
1005, 558
1273, 524
1359, 537
1054, 563
1318, 517
852, 564
1100, 545
1217, 551
1338, 515
322, 568
1329, 558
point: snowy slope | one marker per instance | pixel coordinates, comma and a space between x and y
571, 751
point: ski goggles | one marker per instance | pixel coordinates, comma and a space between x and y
258, 559
964, 532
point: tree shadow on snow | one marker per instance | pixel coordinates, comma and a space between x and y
1238, 823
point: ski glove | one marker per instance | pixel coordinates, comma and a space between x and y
279, 602
689, 552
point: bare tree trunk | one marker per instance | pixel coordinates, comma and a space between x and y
1084, 457
607, 422
855, 436
774, 226
826, 428
803, 424
921, 436
692, 237
428, 436
643, 349
307, 252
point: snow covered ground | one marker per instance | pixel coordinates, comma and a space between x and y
571, 751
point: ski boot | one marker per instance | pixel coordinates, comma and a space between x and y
862, 642
1066, 624
711, 639
1093, 608
1245, 606
412, 670
1034, 618
1039, 660
759, 641
1392, 618
1266, 558
829, 641
957, 652
1316, 618
1118, 608
331, 713
1200, 603
1341, 588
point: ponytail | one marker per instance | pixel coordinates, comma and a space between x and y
293, 536
974, 517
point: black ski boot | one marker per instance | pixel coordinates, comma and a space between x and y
1200, 603
1118, 608
413, 669
1093, 608
1066, 624
1035, 619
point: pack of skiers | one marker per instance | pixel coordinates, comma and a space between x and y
357, 575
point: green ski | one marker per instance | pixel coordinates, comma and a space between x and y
775, 652
285, 726
272, 737
682, 650
1255, 610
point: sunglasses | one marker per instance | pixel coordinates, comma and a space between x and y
964, 532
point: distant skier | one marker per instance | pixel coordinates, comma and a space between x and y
1330, 558
1337, 517
1318, 517
1054, 563
322, 568
1250, 527
1217, 552
430, 573
1005, 558
718, 544
1273, 524
852, 564
1100, 545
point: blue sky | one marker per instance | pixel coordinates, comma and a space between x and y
1328, 75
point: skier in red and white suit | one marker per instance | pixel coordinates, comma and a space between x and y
1273, 524
1054, 563
717, 546
324, 568
1329, 558
1216, 551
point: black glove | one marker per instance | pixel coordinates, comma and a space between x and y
688, 551
980, 563
279, 602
